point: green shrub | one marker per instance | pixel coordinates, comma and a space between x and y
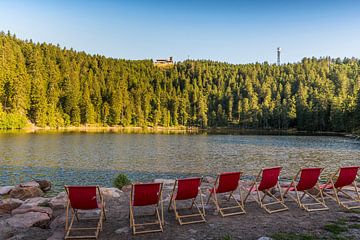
121, 180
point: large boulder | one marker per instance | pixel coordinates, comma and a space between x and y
24, 209
6, 231
7, 205
30, 184
29, 219
45, 185
6, 189
109, 193
58, 202
37, 201
26, 192
165, 181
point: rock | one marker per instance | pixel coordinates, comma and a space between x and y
164, 181
58, 202
26, 192
44, 185
192, 231
58, 222
265, 238
37, 201
24, 209
126, 188
122, 230
208, 179
111, 192
30, 184
7, 205
57, 235
29, 219
6, 189
31, 233
6, 231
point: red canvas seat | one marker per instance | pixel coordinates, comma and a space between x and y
306, 180
146, 194
227, 182
267, 180
83, 198
188, 189
335, 187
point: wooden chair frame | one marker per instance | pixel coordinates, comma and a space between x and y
335, 195
267, 192
238, 205
159, 218
179, 217
319, 198
74, 214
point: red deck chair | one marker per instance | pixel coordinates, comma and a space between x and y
146, 194
307, 183
343, 177
267, 180
227, 183
187, 189
83, 198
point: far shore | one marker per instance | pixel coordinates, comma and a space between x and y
179, 129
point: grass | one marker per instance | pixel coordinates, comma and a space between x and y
293, 236
227, 237
355, 226
336, 228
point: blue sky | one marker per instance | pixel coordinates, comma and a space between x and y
230, 31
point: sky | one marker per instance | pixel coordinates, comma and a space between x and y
227, 31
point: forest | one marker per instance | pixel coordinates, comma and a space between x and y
51, 86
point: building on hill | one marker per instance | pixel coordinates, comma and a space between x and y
164, 62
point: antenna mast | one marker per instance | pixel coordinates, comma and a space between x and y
278, 56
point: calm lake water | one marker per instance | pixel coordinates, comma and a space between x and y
95, 158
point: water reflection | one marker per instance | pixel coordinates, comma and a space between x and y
68, 158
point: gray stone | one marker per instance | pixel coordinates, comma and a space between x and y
58, 202
36, 201
6, 189
29, 219
30, 184
122, 230
192, 231
109, 193
265, 238
26, 192
58, 222
6, 231
164, 181
208, 179
25, 208
44, 185
57, 235
7, 205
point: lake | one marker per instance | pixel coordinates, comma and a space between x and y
95, 158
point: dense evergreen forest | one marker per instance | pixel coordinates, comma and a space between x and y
53, 86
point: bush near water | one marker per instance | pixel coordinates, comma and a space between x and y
121, 180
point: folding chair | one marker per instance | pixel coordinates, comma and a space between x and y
227, 183
187, 189
147, 194
267, 180
343, 177
308, 181
83, 198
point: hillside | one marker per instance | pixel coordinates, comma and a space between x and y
53, 86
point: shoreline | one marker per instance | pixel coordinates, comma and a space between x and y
177, 129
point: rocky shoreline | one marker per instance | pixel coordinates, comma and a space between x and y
26, 214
